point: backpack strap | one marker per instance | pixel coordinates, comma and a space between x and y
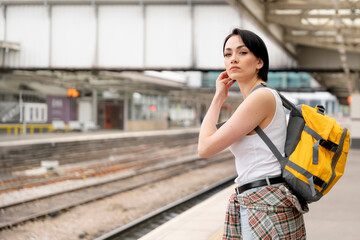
287, 104
316, 145
261, 85
272, 146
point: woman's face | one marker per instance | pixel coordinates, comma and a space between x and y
240, 63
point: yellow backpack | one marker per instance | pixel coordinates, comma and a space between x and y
316, 149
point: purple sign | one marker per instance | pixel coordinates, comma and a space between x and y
61, 108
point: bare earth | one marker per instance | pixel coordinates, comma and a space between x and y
96, 218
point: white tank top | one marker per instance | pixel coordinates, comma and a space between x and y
253, 158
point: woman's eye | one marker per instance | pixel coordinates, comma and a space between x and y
243, 53
227, 54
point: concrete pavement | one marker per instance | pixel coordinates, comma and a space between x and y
334, 217
337, 215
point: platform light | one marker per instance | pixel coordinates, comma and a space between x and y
71, 92
349, 99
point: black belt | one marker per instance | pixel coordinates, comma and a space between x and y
258, 183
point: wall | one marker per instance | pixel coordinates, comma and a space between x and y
146, 125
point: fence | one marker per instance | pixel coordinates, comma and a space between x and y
15, 129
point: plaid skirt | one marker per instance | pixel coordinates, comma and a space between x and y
273, 211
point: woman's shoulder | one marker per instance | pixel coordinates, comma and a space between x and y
261, 97
266, 90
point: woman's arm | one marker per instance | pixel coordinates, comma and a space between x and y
208, 126
257, 109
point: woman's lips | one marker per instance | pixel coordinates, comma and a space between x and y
234, 68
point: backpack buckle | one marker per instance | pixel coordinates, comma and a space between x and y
320, 109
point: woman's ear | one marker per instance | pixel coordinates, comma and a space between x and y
260, 64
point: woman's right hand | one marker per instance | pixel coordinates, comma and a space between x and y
223, 84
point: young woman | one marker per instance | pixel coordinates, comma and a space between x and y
262, 207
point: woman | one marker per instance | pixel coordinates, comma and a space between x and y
262, 207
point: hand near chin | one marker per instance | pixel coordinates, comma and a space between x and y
223, 84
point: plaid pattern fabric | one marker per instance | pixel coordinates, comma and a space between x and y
273, 211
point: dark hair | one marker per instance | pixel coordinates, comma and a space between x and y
256, 45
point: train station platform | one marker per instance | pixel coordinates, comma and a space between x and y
38, 138
28, 152
203, 221
335, 216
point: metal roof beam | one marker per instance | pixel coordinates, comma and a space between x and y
321, 42
309, 4
296, 22
99, 2
256, 11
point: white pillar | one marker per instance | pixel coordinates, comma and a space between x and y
126, 107
355, 120
94, 107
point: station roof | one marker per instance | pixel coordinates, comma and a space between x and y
55, 82
299, 26
333, 26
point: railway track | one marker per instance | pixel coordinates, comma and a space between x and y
137, 157
138, 228
53, 204
126, 167
17, 156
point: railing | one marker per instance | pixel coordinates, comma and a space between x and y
55, 126
9, 111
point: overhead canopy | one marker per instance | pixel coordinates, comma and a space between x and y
47, 89
325, 34
57, 82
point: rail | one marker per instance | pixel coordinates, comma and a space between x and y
52, 204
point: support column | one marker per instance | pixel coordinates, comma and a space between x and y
94, 104
198, 113
126, 110
355, 112
355, 120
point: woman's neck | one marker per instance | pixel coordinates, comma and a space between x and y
246, 87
